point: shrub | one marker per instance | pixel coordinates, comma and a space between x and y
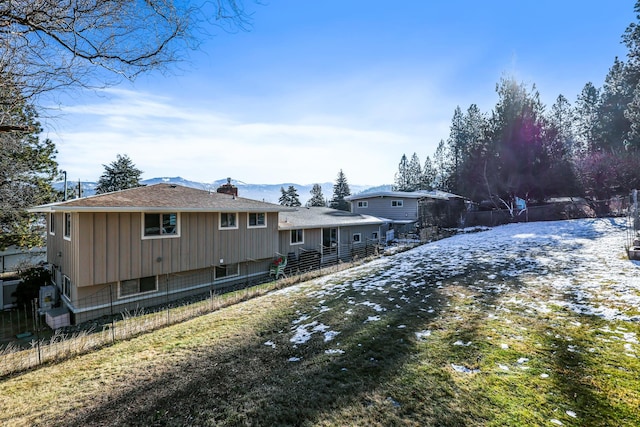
32, 279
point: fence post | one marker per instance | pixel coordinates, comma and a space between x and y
113, 323
211, 286
167, 295
36, 326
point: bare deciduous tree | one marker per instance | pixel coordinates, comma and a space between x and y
51, 44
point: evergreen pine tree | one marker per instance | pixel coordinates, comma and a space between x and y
457, 141
559, 178
414, 174
293, 197
428, 175
27, 169
613, 127
317, 198
559, 130
340, 191
517, 128
473, 152
585, 120
284, 197
632, 113
442, 170
289, 197
401, 178
119, 175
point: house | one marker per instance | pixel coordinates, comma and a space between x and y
13, 257
315, 236
11, 260
400, 207
151, 245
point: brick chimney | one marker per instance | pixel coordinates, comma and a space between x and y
228, 188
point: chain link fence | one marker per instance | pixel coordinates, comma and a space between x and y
178, 297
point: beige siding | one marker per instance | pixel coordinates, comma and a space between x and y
109, 246
98, 300
54, 243
125, 246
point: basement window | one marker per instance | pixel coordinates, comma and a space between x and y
227, 270
137, 286
66, 286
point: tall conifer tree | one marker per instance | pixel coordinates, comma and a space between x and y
27, 169
401, 178
317, 198
340, 191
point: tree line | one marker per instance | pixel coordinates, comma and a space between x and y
290, 197
590, 147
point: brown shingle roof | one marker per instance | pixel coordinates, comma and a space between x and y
162, 197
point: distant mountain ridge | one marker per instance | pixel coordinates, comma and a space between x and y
264, 192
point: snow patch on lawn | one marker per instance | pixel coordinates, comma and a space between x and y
303, 333
422, 335
464, 369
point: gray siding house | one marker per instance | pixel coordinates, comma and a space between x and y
155, 244
323, 235
401, 208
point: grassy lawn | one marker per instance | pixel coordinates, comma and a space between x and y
480, 337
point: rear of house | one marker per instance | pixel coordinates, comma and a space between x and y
316, 236
399, 207
152, 245
410, 211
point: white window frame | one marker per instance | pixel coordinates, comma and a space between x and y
66, 286
356, 238
363, 204
161, 235
297, 232
67, 225
258, 225
52, 223
234, 227
228, 268
397, 203
120, 295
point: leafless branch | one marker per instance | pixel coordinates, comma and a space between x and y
46, 45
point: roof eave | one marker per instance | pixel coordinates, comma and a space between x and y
63, 208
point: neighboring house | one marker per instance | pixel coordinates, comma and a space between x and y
151, 245
13, 257
314, 236
11, 260
400, 207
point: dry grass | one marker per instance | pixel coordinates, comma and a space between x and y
234, 366
59, 346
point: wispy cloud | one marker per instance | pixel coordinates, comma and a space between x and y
164, 138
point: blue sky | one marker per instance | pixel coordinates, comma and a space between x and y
319, 86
